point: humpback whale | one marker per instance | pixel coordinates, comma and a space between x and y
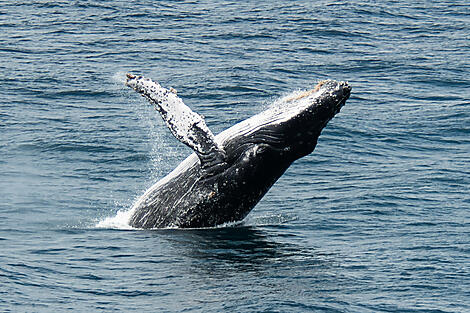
229, 173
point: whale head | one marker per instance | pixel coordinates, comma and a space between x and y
293, 124
309, 112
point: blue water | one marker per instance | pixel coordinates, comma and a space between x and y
377, 219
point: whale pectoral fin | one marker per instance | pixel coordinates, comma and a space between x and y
187, 126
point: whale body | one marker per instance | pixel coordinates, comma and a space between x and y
229, 173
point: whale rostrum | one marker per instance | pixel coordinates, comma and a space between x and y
229, 173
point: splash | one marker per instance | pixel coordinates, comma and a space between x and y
270, 219
119, 77
119, 221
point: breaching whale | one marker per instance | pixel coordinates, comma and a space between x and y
229, 173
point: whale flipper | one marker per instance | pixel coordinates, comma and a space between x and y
187, 126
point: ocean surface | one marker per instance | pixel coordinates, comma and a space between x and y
377, 219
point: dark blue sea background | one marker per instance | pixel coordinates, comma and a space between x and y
377, 219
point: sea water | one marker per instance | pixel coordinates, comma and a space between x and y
377, 219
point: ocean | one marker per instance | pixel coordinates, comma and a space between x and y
376, 219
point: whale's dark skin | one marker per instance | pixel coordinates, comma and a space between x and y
228, 174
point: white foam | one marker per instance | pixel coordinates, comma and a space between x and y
119, 221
